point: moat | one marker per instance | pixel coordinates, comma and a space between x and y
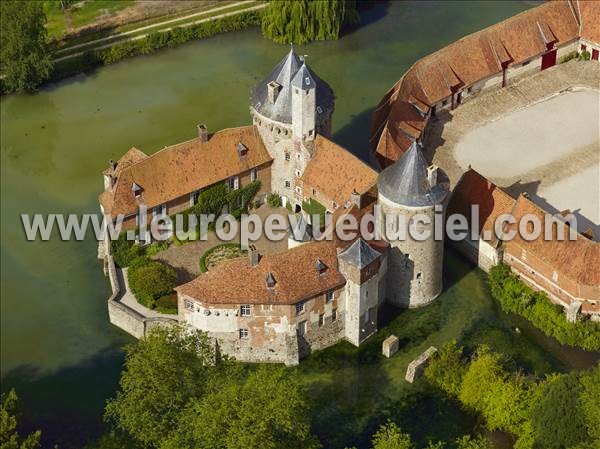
58, 349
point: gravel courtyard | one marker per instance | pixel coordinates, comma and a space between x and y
540, 135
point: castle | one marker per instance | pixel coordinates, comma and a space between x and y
279, 307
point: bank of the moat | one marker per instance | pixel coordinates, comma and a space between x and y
58, 348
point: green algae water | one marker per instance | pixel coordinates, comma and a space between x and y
58, 349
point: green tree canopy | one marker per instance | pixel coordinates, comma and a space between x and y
25, 61
162, 372
389, 436
301, 21
9, 437
265, 410
557, 417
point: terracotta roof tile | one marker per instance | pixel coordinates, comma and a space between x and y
590, 20
184, 168
577, 259
471, 59
295, 273
335, 172
473, 188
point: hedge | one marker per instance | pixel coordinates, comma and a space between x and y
516, 297
126, 251
155, 41
151, 280
209, 252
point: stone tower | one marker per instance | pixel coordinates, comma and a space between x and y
407, 188
364, 269
289, 107
304, 107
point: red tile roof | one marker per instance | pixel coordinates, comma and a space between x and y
184, 168
590, 19
577, 259
473, 58
295, 273
474, 189
335, 172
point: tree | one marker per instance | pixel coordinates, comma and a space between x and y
589, 399
389, 436
479, 442
9, 437
503, 399
301, 21
162, 372
446, 369
266, 410
557, 417
25, 61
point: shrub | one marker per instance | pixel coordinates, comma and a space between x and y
479, 442
274, 200
516, 297
124, 251
584, 56
151, 280
205, 258
156, 248
568, 57
167, 304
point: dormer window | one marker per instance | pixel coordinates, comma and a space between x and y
242, 150
319, 109
270, 280
320, 266
137, 190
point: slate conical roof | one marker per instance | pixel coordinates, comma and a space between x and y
303, 79
406, 182
359, 254
300, 231
284, 73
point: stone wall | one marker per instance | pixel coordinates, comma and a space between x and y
414, 267
124, 317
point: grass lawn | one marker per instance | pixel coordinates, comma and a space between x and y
218, 254
354, 390
89, 11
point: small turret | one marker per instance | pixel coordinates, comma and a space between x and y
303, 105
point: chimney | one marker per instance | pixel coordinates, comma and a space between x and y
432, 175
202, 132
273, 89
356, 198
253, 256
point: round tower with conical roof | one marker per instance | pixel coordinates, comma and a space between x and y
408, 188
289, 107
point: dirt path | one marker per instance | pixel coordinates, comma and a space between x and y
156, 27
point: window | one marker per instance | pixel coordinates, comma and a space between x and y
299, 308
328, 296
287, 184
444, 103
583, 47
194, 197
302, 328
418, 275
287, 156
189, 305
233, 183
334, 315
319, 109
160, 211
245, 310
243, 334
253, 175
321, 320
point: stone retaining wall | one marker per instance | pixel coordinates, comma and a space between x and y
127, 319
